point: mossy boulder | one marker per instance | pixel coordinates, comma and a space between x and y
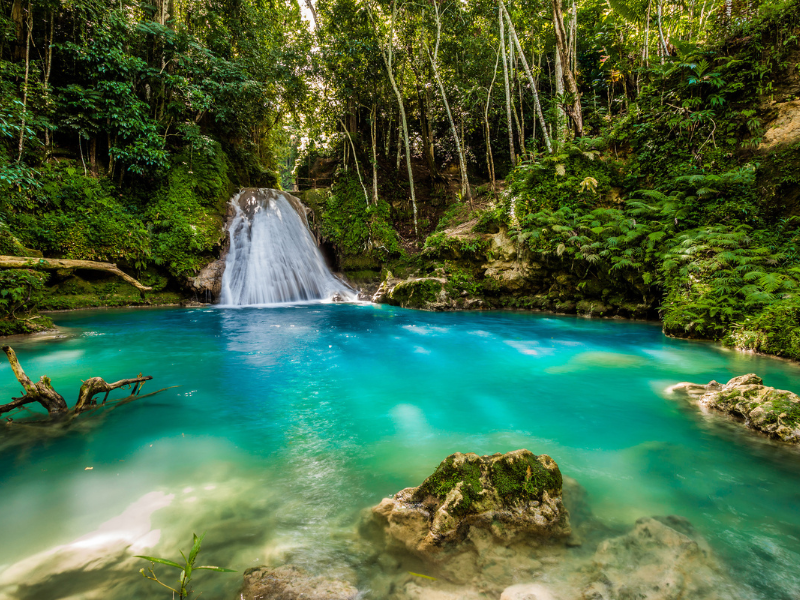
425, 293
765, 409
511, 496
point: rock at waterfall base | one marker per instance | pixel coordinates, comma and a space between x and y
208, 282
765, 409
508, 496
291, 583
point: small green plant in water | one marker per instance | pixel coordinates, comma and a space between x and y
186, 569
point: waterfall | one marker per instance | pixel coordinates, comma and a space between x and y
273, 257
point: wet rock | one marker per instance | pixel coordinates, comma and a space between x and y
470, 497
765, 409
291, 583
337, 298
418, 591
663, 558
207, 284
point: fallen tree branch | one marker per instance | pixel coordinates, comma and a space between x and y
95, 385
51, 264
41, 392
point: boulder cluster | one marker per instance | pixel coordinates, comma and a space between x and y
495, 527
765, 409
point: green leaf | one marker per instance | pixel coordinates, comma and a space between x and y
195, 548
161, 561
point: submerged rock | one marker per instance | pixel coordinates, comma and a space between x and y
507, 495
527, 591
291, 583
663, 558
766, 409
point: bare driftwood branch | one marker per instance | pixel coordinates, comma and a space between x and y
41, 391
95, 385
51, 264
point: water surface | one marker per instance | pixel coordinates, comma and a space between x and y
288, 422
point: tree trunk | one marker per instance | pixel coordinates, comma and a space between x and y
561, 125
536, 103
662, 41
93, 155
48, 67
310, 6
573, 40
508, 90
388, 62
489, 156
18, 18
425, 132
466, 193
25, 84
52, 264
575, 112
355, 160
646, 49
373, 130
41, 391
399, 145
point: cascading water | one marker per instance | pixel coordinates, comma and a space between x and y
273, 258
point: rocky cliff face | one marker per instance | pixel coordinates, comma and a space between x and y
466, 270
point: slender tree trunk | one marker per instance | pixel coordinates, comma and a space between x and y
425, 132
561, 126
373, 129
489, 156
662, 41
93, 155
311, 8
47, 70
25, 84
355, 160
466, 194
575, 111
388, 62
573, 37
646, 48
536, 102
399, 145
508, 90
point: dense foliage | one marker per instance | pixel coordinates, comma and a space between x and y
633, 137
